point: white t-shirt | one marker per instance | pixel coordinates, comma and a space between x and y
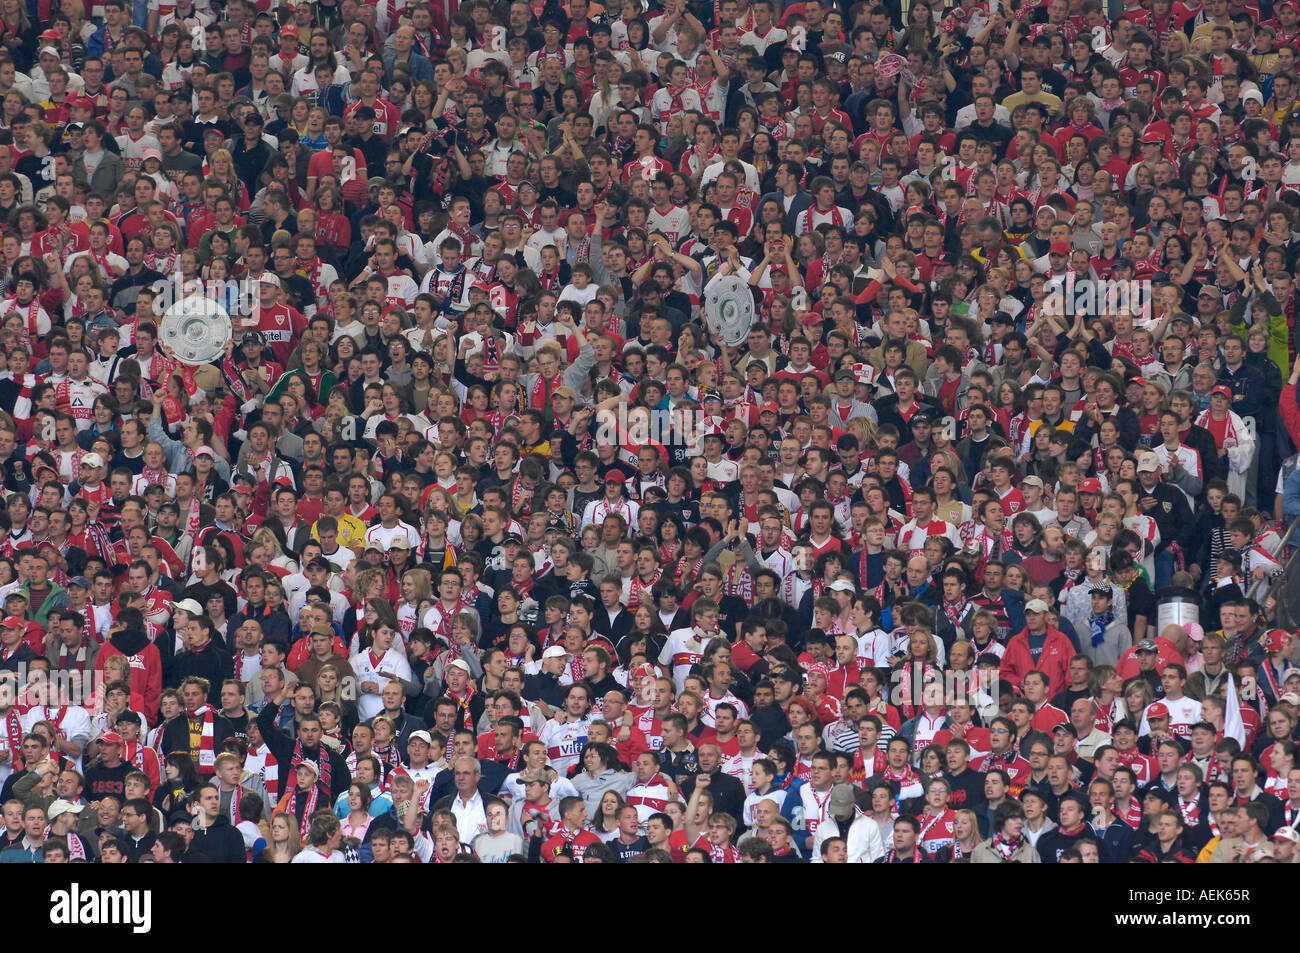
311, 855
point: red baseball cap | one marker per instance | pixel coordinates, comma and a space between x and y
1157, 710
13, 622
1059, 248
1090, 485
1275, 640
769, 408
1223, 390
110, 738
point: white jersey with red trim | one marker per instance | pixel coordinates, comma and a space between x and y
674, 223
77, 398
913, 535
682, 650
596, 511
926, 728
936, 830
649, 797
708, 715
816, 806
141, 483
564, 742
402, 290
1183, 713
132, 150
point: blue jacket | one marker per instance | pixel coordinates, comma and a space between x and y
1113, 842
1291, 495
21, 855
420, 68
1247, 385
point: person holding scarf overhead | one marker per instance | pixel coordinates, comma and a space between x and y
548, 376
332, 775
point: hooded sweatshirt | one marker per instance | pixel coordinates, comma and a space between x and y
146, 665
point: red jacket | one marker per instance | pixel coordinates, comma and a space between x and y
146, 673
1054, 661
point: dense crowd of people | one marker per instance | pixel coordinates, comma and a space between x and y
465, 529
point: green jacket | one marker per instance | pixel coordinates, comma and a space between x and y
1278, 332
327, 382
57, 599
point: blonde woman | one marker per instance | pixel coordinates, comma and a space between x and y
416, 586
221, 171
285, 842
966, 835
266, 537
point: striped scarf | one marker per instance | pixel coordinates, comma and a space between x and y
323, 777
270, 772
207, 740
14, 737
1006, 846
80, 660
389, 757
308, 808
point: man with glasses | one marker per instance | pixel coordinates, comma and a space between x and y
136, 815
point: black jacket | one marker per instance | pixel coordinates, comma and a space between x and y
728, 794
281, 744
210, 662
1172, 515
176, 733
219, 844
1051, 844
615, 630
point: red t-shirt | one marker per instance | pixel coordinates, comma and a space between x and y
552, 847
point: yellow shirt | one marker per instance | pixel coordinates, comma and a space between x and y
352, 532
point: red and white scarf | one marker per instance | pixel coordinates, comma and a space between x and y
323, 767
521, 497
466, 237
14, 737
308, 809
905, 780
30, 330
463, 715
1006, 846
80, 659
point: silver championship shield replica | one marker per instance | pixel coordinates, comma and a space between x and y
729, 308
196, 329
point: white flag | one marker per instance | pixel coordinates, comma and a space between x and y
1232, 724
